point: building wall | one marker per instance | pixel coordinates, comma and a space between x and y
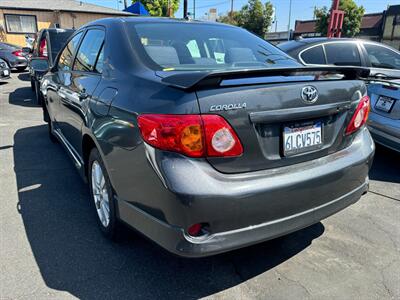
391, 34
76, 20
46, 19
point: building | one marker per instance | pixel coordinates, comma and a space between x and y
391, 28
278, 37
21, 18
381, 27
371, 27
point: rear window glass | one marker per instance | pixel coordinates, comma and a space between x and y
314, 55
185, 46
342, 54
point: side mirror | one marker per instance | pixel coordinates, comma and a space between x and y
26, 50
39, 64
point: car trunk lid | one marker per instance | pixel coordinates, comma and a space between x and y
266, 108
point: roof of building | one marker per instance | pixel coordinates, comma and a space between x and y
368, 21
371, 21
60, 5
393, 10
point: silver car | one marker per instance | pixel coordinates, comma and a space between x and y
14, 56
384, 118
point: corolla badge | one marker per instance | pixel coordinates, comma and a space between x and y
230, 106
309, 94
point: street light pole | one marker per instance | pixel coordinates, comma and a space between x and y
185, 9
194, 9
290, 16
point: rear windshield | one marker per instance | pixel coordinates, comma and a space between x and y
8, 46
188, 46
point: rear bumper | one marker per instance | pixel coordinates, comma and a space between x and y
385, 131
244, 209
18, 62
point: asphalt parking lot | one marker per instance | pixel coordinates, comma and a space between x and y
51, 248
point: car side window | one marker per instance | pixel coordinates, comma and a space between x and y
89, 51
314, 55
382, 57
67, 55
342, 54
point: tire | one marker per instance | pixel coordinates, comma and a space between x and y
20, 69
100, 192
32, 85
38, 94
52, 138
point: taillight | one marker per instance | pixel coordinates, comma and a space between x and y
43, 49
17, 53
191, 135
360, 115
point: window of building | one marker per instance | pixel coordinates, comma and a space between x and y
89, 51
342, 54
314, 55
20, 23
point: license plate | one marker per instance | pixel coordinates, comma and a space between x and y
6, 72
299, 139
384, 103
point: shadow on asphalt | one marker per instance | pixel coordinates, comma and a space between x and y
73, 256
24, 77
386, 165
23, 97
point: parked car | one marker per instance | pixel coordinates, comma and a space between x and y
4, 70
14, 56
204, 137
37, 68
382, 60
384, 119
47, 44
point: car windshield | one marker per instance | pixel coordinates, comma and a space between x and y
191, 46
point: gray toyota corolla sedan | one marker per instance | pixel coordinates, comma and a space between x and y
204, 137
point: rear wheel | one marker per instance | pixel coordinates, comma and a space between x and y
38, 93
51, 134
32, 85
102, 195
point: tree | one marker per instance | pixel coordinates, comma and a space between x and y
254, 16
159, 8
352, 18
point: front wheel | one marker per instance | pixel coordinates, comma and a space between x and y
102, 195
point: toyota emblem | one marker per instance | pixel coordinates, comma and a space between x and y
309, 94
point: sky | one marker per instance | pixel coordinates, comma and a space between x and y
301, 9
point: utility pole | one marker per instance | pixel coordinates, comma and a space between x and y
194, 9
231, 10
290, 16
185, 9
125, 4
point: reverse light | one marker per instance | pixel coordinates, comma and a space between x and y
191, 135
360, 115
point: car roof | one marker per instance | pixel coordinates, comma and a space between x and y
303, 43
143, 20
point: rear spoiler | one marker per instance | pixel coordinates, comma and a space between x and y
202, 79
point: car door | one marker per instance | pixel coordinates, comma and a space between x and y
79, 89
60, 77
382, 60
